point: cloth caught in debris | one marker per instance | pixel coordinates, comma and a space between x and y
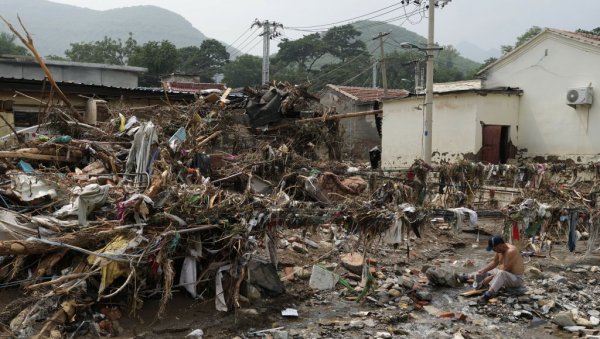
220, 303
393, 235
140, 152
188, 275
459, 214
111, 270
572, 237
133, 200
87, 199
515, 231
14, 226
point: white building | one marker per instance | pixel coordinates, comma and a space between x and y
521, 103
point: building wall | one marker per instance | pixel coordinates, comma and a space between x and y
360, 133
456, 129
545, 71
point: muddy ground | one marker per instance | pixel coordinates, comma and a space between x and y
335, 314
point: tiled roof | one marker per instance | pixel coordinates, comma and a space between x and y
583, 37
590, 39
192, 87
368, 93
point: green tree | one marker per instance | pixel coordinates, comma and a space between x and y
400, 66
8, 45
56, 58
342, 42
523, 38
206, 60
159, 57
304, 52
353, 72
105, 51
595, 31
243, 71
486, 63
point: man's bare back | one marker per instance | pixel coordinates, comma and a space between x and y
511, 260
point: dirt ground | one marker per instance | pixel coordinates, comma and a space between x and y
329, 314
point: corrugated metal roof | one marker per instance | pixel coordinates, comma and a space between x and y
138, 89
31, 60
368, 93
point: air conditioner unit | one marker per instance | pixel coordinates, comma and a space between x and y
579, 96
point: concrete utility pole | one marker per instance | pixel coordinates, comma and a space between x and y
382, 61
267, 35
428, 128
374, 74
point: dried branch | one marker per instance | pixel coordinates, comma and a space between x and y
29, 44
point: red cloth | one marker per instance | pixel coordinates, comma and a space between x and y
515, 231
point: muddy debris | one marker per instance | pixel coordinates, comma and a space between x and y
107, 230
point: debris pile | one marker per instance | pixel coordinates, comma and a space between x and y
194, 198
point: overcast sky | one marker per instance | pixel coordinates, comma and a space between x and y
485, 23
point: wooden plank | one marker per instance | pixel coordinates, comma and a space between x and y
472, 293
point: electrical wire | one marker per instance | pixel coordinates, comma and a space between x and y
368, 68
251, 48
244, 41
354, 18
388, 20
342, 65
241, 35
242, 49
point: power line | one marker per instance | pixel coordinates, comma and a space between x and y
342, 65
241, 48
251, 48
241, 35
368, 68
248, 37
337, 22
388, 20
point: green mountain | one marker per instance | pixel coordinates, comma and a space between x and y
55, 26
398, 35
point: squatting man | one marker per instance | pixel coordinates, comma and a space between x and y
505, 270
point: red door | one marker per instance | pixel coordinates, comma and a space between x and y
490, 150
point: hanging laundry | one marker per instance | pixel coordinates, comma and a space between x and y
515, 231
459, 215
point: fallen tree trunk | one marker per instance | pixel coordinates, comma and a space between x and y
84, 239
74, 155
326, 118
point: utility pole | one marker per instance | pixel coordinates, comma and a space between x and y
427, 131
267, 35
374, 74
382, 61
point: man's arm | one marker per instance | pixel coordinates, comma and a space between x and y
495, 261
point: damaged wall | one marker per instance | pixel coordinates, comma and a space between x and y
360, 133
545, 69
457, 125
